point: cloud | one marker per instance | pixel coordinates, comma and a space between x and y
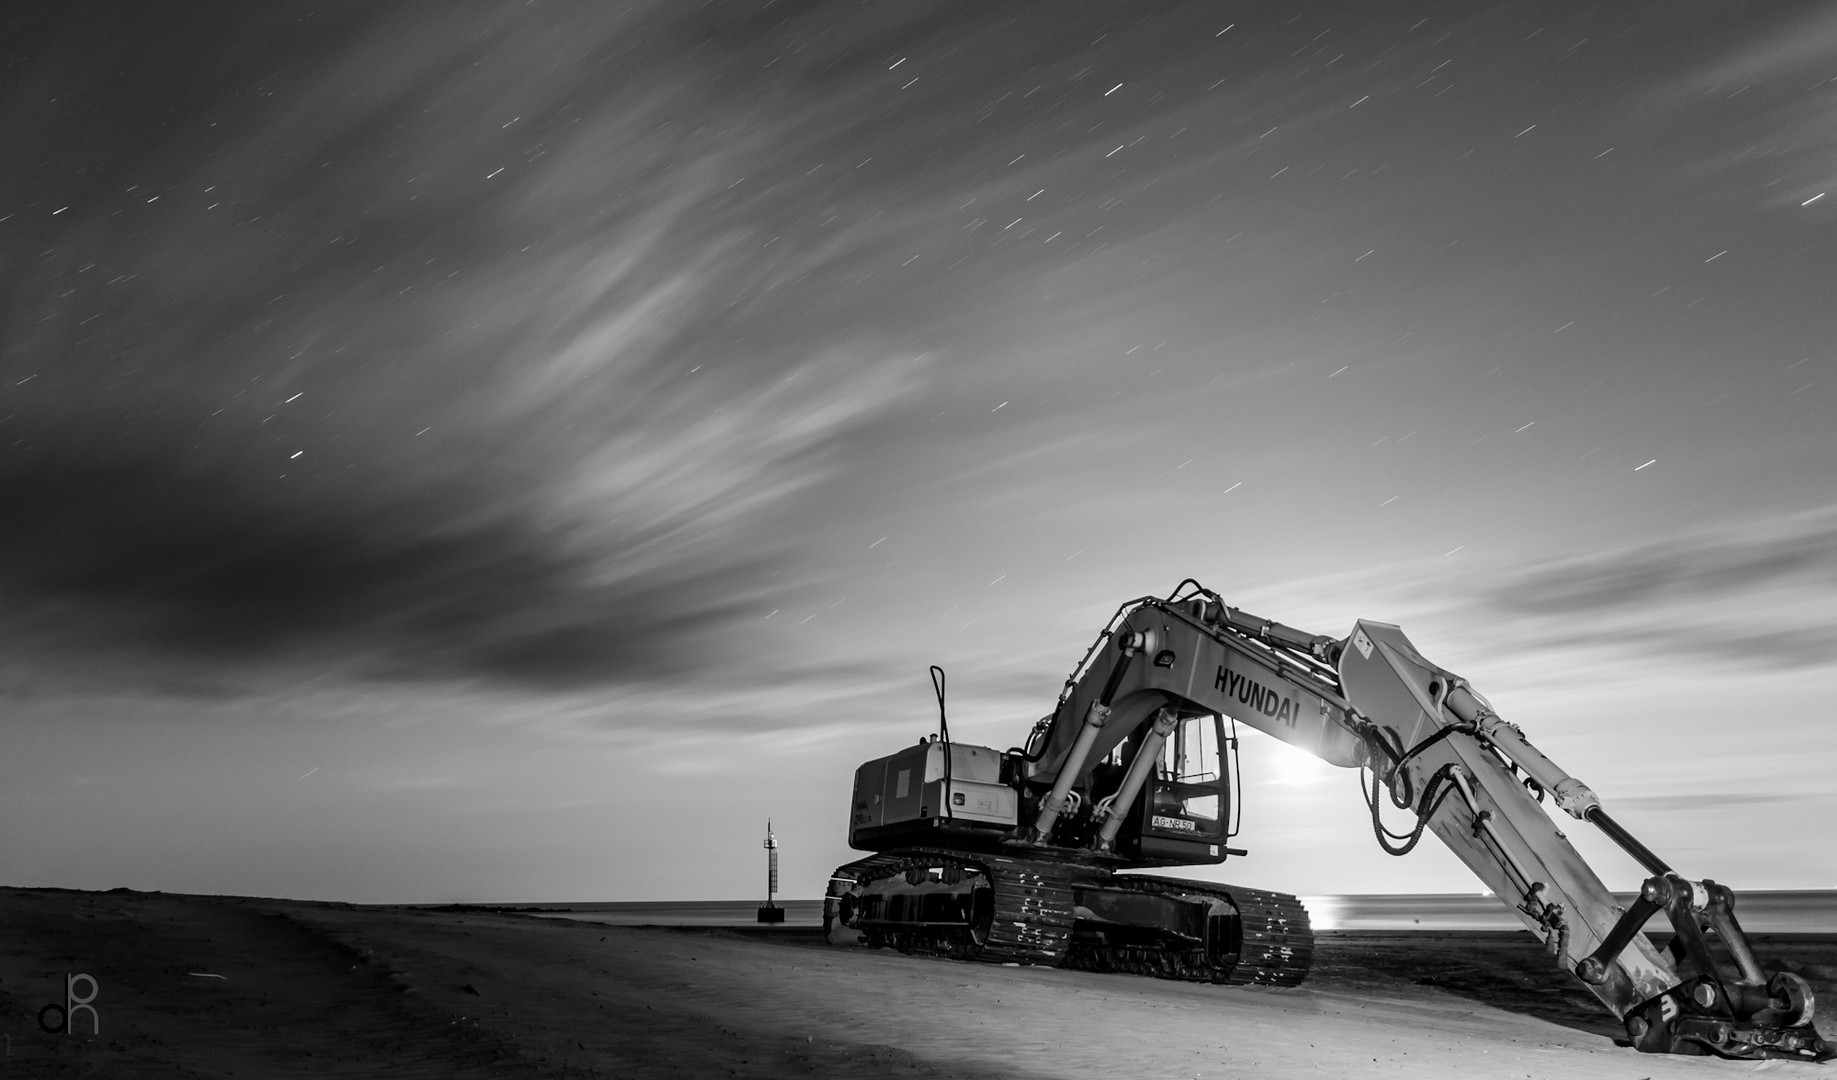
1702, 800
150, 556
437, 369
1758, 598
1761, 594
1707, 566
621, 561
1805, 44
1777, 77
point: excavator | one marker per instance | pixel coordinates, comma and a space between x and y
1018, 857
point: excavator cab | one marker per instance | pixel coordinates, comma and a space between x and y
1185, 816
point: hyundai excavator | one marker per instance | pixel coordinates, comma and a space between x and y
1015, 857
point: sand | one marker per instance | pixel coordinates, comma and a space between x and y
214, 986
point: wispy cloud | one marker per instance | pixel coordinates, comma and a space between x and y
1796, 45
1755, 598
440, 370
1760, 594
1778, 79
1707, 801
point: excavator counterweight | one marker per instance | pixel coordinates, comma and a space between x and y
1023, 856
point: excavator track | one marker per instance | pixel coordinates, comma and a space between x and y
1277, 942
1278, 938
1033, 912
1005, 910
1028, 922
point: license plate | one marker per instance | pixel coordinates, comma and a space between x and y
1174, 823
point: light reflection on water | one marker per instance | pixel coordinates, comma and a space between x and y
1799, 911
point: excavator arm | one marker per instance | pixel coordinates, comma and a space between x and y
1436, 748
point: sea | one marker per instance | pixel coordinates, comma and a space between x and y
1760, 911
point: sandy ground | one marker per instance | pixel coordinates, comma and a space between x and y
209, 986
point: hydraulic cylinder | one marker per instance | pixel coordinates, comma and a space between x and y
1054, 803
1139, 768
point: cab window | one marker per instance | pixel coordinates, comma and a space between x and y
1188, 783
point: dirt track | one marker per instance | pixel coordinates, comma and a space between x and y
325, 990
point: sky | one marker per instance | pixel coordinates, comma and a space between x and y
496, 452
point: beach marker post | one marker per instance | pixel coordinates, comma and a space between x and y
770, 912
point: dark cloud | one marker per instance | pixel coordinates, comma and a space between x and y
426, 343
146, 556
1667, 635
1702, 800
1761, 596
1705, 567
